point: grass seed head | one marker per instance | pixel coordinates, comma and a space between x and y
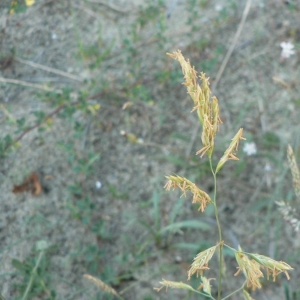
101, 285
199, 196
200, 263
272, 266
207, 107
230, 153
250, 269
173, 284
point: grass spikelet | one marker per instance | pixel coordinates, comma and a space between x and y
173, 284
205, 285
101, 285
190, 76
200, 263
250, 268
230, 154
185, 185
272, 266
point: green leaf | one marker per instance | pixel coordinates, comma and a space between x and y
177, 208
94, 158
188, 246
20, 266
156, 210
186, 224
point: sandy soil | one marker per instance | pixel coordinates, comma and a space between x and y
117, 53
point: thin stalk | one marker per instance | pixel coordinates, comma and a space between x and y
232, 249
234, 292
219, 230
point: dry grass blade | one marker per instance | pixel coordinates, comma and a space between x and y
101, 285
28, 84
48, 69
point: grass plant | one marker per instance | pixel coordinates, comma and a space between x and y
35, 273
251, 265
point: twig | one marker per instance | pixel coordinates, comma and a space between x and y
48, 69
51, 114
86, 10
48, 116
233, 44
33, 85
85, 136
221, 69
110, 6
3, 31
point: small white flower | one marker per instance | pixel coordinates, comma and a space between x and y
250, 148
287, 49
98, 185
268, 167
218, 7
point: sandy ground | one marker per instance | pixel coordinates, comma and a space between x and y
103, 231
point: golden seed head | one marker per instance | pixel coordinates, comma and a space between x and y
185, 185
207, 107
250, 269
173, 284
101, 285
200, 263
230, 153
272, 266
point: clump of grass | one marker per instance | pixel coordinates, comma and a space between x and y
251, 265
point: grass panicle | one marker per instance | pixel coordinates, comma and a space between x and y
205, 105
251, 265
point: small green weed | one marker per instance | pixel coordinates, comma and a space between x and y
36, 281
